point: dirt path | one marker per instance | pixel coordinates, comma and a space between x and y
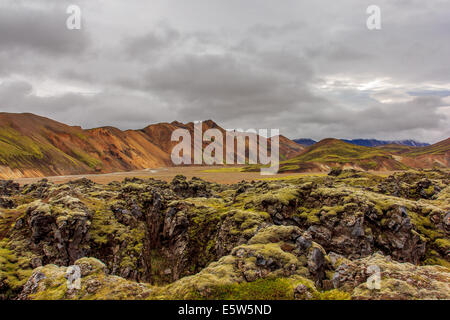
217, 174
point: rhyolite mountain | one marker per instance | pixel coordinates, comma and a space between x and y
305, 142
376, 143
334, 153
369, 142
35, 146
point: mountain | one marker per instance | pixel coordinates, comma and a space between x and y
35, 146
305, 142
289, 148
32, 145
368, 142
435, 155
376, 143
440, 148
330, 153
395, 148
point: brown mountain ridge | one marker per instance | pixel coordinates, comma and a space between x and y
34, 146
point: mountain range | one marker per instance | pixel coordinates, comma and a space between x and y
35, 146
332, 153
305, 141
368, 142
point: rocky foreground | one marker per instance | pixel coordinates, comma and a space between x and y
348, 235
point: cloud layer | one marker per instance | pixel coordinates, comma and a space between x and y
309, 68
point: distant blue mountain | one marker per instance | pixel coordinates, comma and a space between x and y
376, 143
305, 142
369, 142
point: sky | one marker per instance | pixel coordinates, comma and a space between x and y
309, 68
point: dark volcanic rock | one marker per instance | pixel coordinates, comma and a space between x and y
7, 203
59, 232
317, 232
8, 188
193, 188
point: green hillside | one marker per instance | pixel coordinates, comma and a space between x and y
435, 149
335, 152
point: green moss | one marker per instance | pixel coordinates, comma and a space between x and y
273, 234
105, 226
333, 211
86, 159
16, 149
424, 226
311, 215
107, 233
55, 292
334, 294
14, 271
283, 195
245, 222
443, 244
289, 168
429, 191
437, 261
261, 289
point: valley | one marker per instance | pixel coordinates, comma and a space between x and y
32, 146
218, 174
109, 204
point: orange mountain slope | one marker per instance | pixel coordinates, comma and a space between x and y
35, 146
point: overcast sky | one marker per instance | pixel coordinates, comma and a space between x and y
310, 68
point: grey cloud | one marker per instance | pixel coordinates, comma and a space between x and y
24, 28
212, 76
11, 89
151, 43
420, 118
102, 109
246, 64
230, 86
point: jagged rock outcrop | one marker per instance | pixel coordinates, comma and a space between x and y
262, 269
396, 281
190, 189
415, 185
310, 238
59, 230
8, 188
7, 203
354, 223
